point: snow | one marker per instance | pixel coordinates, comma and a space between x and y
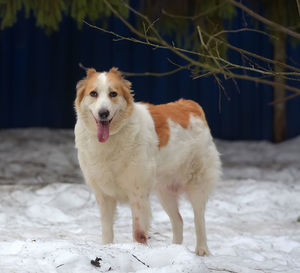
49, 220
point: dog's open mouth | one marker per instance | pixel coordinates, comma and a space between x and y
103, 129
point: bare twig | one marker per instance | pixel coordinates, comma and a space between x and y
243, 30
284, 99
157, 74
222, 269
200, 37
83, 67
140, 260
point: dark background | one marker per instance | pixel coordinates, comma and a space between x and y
38, 75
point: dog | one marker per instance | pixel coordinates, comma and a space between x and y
127, 149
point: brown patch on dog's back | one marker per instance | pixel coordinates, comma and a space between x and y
179, 112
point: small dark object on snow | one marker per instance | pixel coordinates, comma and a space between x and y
298, 220
96, 262
140, 260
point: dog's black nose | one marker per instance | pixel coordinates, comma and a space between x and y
103, 114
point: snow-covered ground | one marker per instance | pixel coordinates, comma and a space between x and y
49, 221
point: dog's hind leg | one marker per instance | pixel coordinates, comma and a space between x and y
198, 197
169, 200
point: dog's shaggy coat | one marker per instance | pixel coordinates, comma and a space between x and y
127, 149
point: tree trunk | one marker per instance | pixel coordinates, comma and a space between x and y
279, 113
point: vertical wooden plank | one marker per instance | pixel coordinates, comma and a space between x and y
279, 115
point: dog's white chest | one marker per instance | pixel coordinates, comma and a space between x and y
113, 167
105, 171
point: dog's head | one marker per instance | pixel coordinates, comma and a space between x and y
104, 101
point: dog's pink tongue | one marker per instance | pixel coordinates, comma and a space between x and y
103, 131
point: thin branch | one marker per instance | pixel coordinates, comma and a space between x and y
200, 37
152, 24
284, 99
154, 74
83, 67
145, 31
236, 86
173, 63
264, 72
268, 82
264, 20
140, 260
204, 75
242, 30
222, 269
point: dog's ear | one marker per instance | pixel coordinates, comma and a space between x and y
118, 74
115, 71
80, 87
125, 84
90, 71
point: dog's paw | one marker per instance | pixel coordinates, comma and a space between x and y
202, 251
140, 236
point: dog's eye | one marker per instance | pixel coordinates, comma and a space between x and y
94, 94
113, 94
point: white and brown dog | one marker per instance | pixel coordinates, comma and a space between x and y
126, 149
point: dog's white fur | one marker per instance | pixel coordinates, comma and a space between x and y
130, 164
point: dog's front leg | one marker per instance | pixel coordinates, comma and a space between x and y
107, 206
141, 215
